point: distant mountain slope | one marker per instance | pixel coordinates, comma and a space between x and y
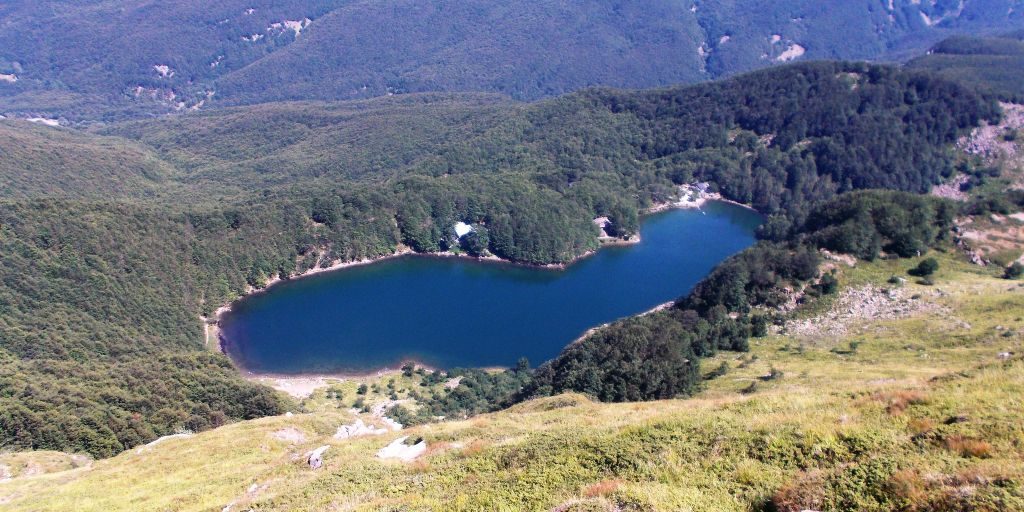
996, 64
117, 59
273, 144
98, 57
526, 49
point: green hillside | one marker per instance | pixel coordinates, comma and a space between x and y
273, 145
995, 64
87, 61
40, 161
102, 297
162, 159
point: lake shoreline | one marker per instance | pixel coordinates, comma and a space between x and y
212, 324
303, 385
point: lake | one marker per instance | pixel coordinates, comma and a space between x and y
452, 312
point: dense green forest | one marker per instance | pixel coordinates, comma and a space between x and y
993, 64
101, 290
88, 61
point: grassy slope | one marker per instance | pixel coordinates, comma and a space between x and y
837, 428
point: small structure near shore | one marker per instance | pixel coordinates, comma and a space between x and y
602, 223
462, 229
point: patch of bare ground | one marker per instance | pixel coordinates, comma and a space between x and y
297, 387
846, 259
290, 435
994, 239
990, 141
857, 306
999, 144
951, 189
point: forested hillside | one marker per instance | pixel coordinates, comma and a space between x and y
994, 64
38, 161
101, 295
87, 61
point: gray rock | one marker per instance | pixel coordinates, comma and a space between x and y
316, 457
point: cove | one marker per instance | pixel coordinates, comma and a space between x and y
452, 312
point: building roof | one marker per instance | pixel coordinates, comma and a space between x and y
462, 229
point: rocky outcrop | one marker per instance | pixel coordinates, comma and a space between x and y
865, 304
398, 449
358, 429
315, 458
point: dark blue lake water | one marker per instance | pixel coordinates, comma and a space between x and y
450, 312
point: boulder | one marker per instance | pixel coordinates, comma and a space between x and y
399, 450
316, 457
357, 429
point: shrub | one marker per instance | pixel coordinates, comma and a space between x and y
602, 488
908, 485
829, 284
773, 374
408, 369
926, 268
897, 401
853, 346
805, 492
1014, 271
920, 425
968, 447
759, 326
721, 370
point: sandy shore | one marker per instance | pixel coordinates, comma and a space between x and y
304, 385
297, 387
682, 204
696, 203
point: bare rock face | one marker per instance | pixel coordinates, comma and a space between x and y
316, 457
358, 429
398, 449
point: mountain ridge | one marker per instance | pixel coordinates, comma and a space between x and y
183, 56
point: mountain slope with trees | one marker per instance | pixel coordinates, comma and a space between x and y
994, 64
100, 296
88, 61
